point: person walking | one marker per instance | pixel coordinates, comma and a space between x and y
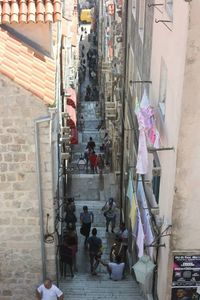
70, 217
123, 236
91, 144
72, 239
109, 213
49, 291
95, 251
86, 219
115, 269
93, 162
100, 163
67, 255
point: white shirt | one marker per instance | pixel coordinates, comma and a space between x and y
49, 294
124, 236
116, 270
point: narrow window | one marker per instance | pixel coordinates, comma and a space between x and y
169, 8
134, 7
141, 18
163, 87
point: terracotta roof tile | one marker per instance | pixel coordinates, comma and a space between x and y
25, 11
19, 63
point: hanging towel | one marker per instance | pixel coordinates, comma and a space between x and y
140, 238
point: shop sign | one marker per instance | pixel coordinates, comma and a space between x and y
186, 277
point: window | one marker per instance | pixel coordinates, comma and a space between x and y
169, 8
156, 172
163, 86
141, 18
134, 7
131, 68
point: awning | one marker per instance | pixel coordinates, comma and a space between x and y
71, 122
74, 136
71, 100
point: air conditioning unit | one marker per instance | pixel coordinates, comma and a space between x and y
106, 66
156, 171
65, 130
65, 140
65, 156
110, 110
108, 88
155, 211
119, 39
65, 115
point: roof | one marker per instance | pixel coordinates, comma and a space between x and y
25, 11
36, 73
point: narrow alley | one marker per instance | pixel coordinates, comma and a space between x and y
92, 190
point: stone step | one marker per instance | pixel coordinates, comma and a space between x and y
85, 286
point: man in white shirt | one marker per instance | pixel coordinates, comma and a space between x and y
116, 270
49, 291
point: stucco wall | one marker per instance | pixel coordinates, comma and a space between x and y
20, 256
186, 201
170, 45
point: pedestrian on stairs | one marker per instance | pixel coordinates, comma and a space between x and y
86, 219
115, 269
110, 214
95, 251
67, 253
48, 290
91, 144
93, 162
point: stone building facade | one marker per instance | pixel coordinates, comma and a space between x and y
20, 248
162, 48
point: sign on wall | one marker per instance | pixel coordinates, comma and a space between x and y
186, 277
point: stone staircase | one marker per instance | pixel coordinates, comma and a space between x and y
93, 190
87, 287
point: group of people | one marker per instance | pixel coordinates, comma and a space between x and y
68, 246
94, 161
116, 266
93, 243
92, 93
92, 62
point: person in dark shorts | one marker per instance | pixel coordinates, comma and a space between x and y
95, 251
86, 219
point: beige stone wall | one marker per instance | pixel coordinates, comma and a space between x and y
20, 256
169, 45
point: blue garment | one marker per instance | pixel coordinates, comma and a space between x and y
86, 217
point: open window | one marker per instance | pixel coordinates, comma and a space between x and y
141, 19
134, 8
163, 87
169, 8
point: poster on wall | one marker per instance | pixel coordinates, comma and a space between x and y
185, 294
186, 277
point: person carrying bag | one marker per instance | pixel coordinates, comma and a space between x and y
86, 219
110, 214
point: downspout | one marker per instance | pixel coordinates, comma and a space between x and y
123, 111
39, 191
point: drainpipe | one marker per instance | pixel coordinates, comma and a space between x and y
39, 191
123, 115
